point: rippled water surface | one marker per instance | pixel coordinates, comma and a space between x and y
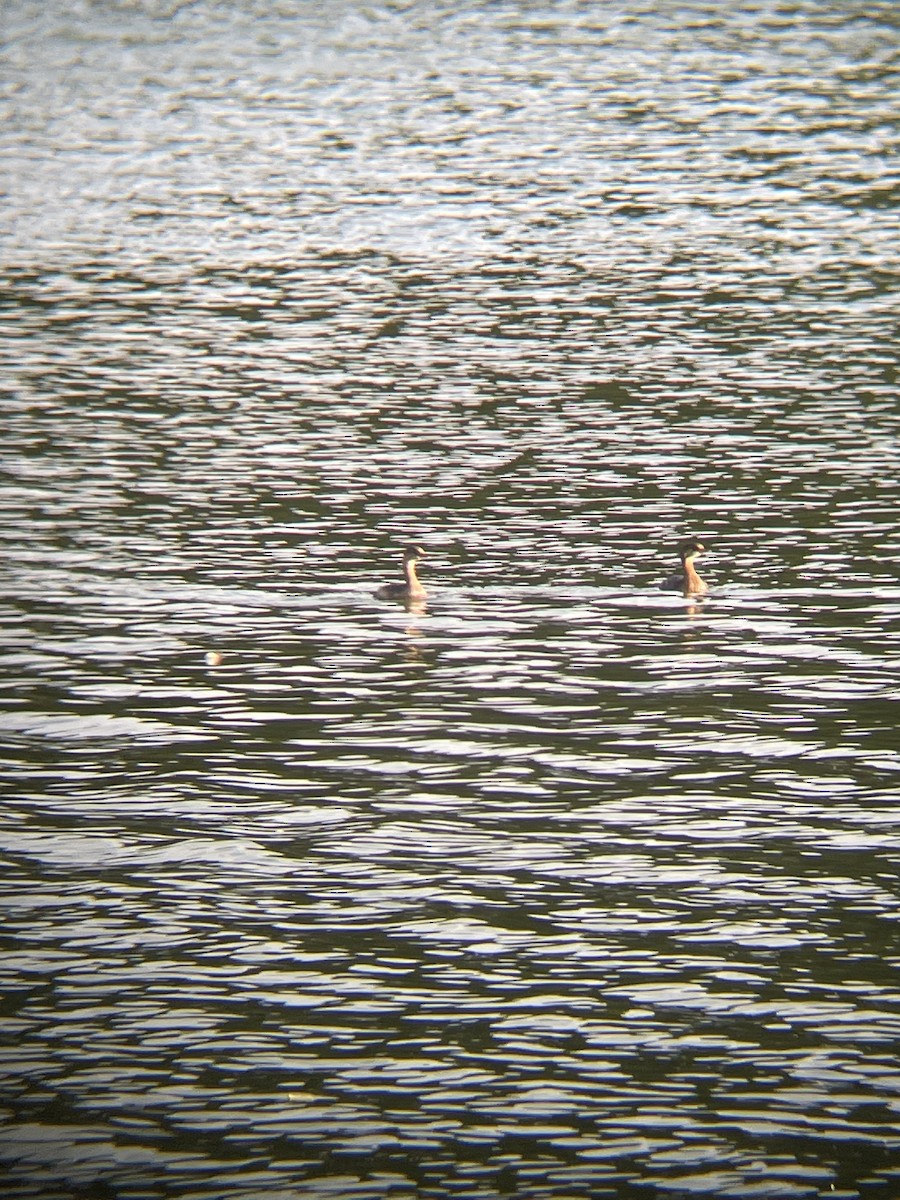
556, 885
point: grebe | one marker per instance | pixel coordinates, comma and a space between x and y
688, 581
410, 589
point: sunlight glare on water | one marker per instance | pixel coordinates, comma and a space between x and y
555, 884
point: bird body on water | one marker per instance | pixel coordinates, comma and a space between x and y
410, 588
687, 581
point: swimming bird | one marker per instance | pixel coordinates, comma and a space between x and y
687, 581
411, 588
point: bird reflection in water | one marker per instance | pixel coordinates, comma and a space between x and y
415, 637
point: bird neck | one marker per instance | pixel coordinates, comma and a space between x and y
691, 578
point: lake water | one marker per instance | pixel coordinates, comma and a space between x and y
557, 886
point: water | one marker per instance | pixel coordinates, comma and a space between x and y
559, 885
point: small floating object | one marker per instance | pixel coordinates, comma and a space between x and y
213, 658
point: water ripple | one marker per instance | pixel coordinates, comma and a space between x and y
556, 885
